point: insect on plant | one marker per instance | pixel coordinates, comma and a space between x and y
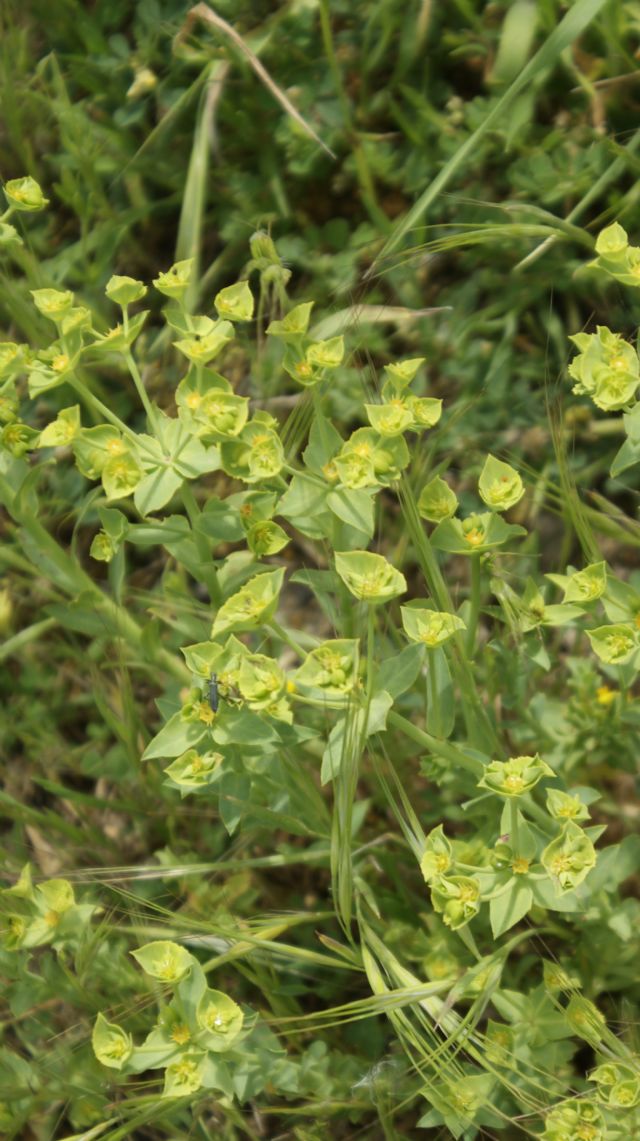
213, 693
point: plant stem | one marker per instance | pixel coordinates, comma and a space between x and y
371, 637
481, 732
209, 572
441, 748
137, 380
472, 624
90, 398
23, 637
514, 838
284, 636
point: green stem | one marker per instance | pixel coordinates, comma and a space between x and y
434, 745
514, 838
284, 636
209, 572
89, 398
481, 732
137, 379
432, 686
23, 637
371, 637
472, 624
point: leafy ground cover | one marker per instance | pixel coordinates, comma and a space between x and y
321, 610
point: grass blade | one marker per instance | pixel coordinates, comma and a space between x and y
573, 24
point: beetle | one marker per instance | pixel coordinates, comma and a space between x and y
213, 693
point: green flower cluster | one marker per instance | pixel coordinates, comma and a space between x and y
194, 1027
455, 897
36, 915
500, 487
607, 369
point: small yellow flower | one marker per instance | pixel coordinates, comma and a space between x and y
330, 472
605, 695
474, 537
520, 866
514, 783
205, 713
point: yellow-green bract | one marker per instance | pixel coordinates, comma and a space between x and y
369, 577
250, 606
516, 776
500, 485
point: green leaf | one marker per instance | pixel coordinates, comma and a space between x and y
324, 442
243, 727
441, 706
304, 504
156, 489
349, 732
295, 323
175, 738
510, 906
235, 302
626, 457
474, 534
251, 606
234, 790
356, 508
398, 673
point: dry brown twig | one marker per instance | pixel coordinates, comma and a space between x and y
208, 16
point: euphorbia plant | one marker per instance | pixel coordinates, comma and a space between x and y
214, 484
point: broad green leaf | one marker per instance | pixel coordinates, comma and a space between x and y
356, 508
175, 738
398, 673
441, 706
350, 731
156, 489
510, 906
